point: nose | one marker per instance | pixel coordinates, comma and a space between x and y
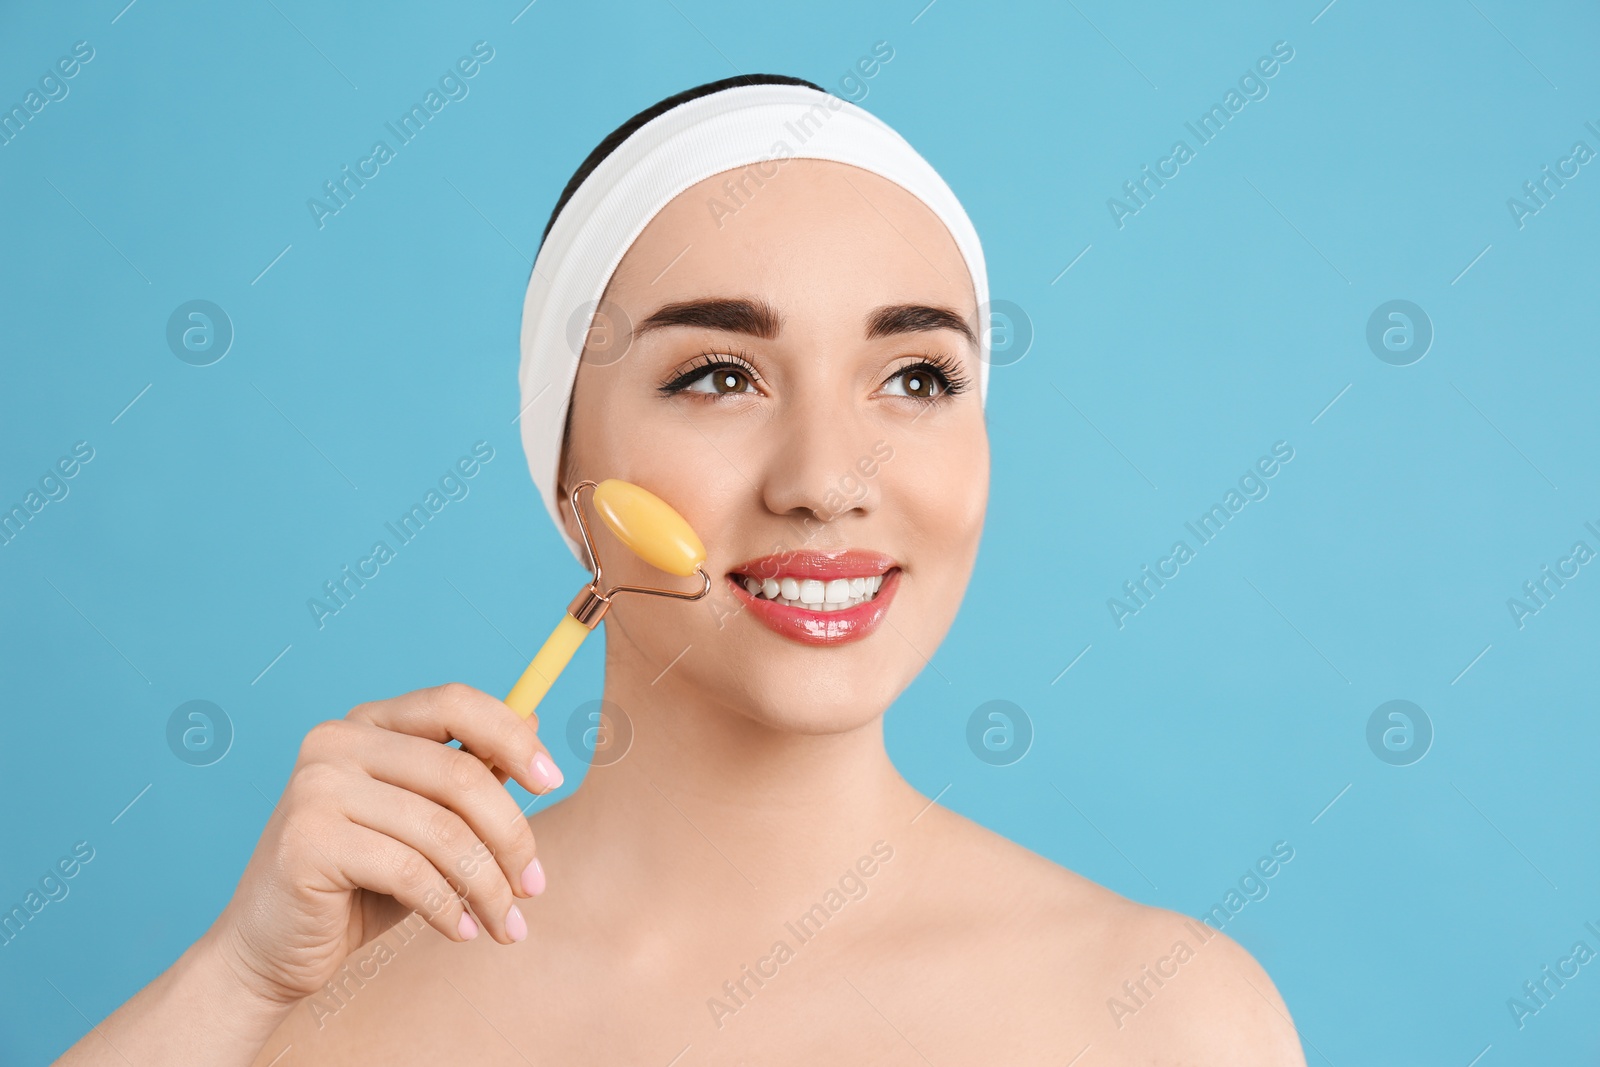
823, 463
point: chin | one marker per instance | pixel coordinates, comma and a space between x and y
787, 714
785, 721
762, 672
804, 694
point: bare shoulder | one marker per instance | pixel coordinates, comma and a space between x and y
1177, 987
1139, 984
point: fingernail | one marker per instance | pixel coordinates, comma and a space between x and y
516, 925
546, 773
468, 928
533, 879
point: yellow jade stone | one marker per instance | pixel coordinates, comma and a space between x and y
649, 526
656, 534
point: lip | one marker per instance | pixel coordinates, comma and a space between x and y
824, 628
812, 563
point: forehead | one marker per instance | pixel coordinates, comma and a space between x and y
798, 232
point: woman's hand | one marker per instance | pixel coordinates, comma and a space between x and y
382, 818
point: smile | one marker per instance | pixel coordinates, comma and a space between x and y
818, 598
813, 594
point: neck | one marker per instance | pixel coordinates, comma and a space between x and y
708, 803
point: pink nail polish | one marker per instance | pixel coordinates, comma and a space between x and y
546, 773
468, 928
533, 879
516, 925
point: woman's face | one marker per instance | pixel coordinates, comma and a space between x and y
790, 360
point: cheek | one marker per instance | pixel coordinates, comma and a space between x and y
659, 450
940, 490
640, 443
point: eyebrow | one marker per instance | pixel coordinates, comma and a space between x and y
914, 318
759, 319
754, 317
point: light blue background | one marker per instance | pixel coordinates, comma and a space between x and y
1225, 316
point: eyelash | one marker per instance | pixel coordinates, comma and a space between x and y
945, 369
704, 364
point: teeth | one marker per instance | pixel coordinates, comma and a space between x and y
837, 594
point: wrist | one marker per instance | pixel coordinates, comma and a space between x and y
233, 993
201, 1010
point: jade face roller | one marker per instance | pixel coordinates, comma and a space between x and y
655, 532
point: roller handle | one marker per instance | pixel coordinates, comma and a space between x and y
542, 672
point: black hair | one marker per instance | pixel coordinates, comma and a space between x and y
626, 130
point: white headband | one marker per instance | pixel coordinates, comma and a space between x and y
722, 131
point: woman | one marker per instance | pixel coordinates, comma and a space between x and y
788, 349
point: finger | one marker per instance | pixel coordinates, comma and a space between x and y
377, 862
459, 782
479, 721
449, 845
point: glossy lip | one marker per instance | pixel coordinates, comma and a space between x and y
813, 563
819, 627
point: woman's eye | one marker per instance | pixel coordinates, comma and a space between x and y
919, 382
721, 378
